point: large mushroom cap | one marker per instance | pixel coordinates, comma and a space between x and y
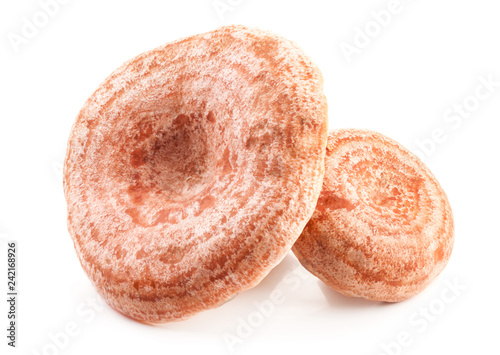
383, 227
193, 168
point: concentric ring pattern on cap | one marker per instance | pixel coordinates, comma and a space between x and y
383, 226
193, 168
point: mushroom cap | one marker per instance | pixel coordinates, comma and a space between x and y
383, 226
193, 168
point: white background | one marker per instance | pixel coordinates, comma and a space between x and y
430, 57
